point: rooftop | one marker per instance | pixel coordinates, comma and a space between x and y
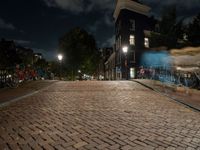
131, 5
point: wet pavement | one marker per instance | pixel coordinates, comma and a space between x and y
98, 115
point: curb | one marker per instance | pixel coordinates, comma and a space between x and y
175, 99
4, 104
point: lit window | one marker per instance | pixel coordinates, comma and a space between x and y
132, 40
146, 42
132, 25
132, 73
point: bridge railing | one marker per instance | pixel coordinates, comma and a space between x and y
178, 76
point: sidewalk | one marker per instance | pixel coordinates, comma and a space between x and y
184, 95
7, 94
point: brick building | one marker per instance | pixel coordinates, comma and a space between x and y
132, 28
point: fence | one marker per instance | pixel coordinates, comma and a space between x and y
180, 77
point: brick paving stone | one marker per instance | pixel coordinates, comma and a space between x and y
68, 144
115, 146
127, 147
150, 143
80, 144
148, 147
132, 138
190, 148
98, 115
110, 142
160, 148
140, 143
198, 148
102, 146
48, 147
138, 148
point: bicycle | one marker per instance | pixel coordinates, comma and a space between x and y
12, 81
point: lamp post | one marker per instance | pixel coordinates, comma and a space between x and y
80, 74
125, 51
60, 58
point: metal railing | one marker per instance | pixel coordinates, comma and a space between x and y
172, 75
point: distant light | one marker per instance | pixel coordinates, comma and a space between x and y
178, 68
60, 57
125, 49
146, 42
79, 71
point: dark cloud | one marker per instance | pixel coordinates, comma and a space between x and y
70, 5
22, 42
109, 42
6, 25
77, 6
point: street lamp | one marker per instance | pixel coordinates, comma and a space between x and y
125, 51
80, 74
60, 58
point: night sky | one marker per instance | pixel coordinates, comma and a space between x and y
38, 24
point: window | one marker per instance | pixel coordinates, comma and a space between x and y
132, 56
146, 42
132, 25
132, 73
132, 40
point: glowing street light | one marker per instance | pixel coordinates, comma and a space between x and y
60, 58
125, 51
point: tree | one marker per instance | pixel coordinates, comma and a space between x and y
41, 63
171, 30
79, 50
8, 54
193, 31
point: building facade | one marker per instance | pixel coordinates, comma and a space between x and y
105, 53
110, 68
131, 25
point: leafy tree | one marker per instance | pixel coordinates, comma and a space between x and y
41, 63
168, 21
8, 55
171, 30
193, 31
80, 52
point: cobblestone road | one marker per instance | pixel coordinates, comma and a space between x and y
98, 115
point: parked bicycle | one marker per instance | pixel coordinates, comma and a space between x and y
12, 81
